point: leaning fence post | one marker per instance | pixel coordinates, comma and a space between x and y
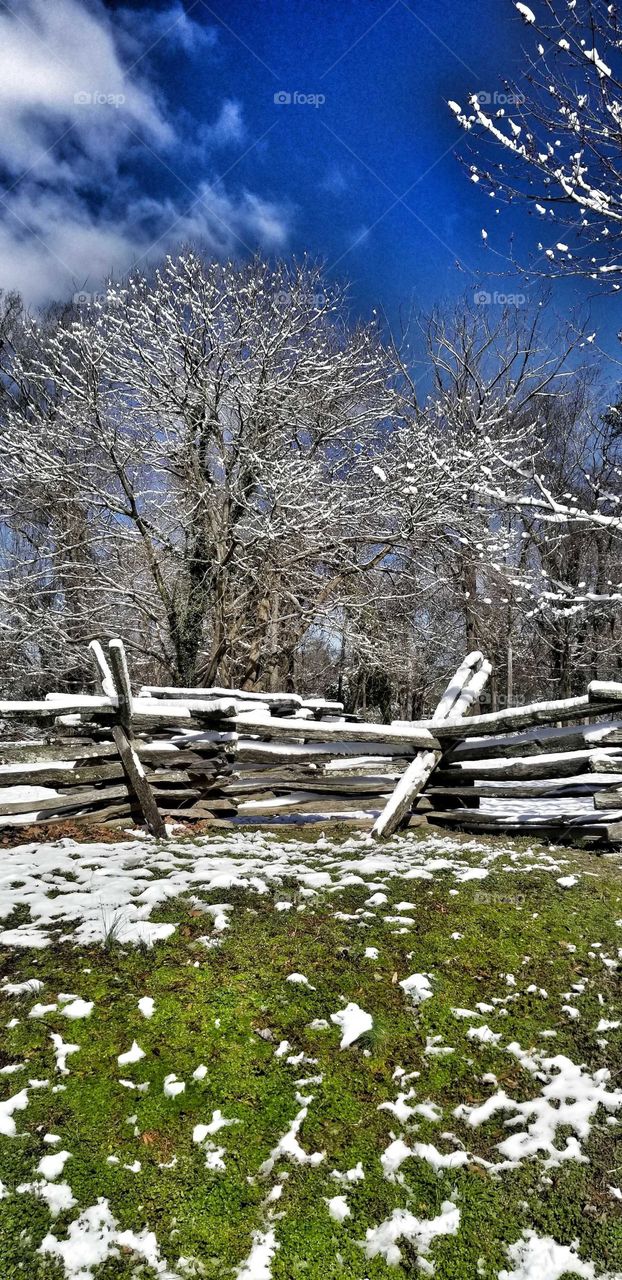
115, 680
461, 692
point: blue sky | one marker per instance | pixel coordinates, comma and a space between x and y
127, 127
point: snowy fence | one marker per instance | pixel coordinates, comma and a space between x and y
229, 756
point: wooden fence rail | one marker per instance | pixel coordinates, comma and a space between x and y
231, 756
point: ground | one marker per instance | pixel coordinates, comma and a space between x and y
239, 1138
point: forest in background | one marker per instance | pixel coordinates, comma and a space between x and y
210, 460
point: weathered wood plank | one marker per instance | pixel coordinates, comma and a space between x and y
61, 750
59, 776
555, 765
584, 784
538, 740
116, 675
77, 799
217, 804
44, 711
456, 684
252, 750
171, 692
461, 693
604, 691
608, 798
477, 820
321, 804
605, 762
538, 713
317, 731
589, 834
311, 782
408, 788
122, 734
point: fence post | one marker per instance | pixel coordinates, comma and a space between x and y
460, 694
115, 679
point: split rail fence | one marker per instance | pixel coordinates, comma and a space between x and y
552, 769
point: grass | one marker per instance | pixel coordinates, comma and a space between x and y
211, 1005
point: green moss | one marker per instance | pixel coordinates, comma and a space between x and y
210, 1006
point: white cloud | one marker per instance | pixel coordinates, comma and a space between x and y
173, 26
60, 71
51, 246
78, 116
229, 127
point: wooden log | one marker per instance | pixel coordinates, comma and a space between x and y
609, 798
583, 785
604, 691
282, 703
203, 739
252, 750
460, 694
200, 709
392, 766
538, 713
402, 798
107, 814
535, 741
300, 804
117, 675
146, 713
605, 762
240, 695
113, 815
555, 829
456, 684
122, 734
48, 711
317, 783
477, 819
176, 797
50, 772
415, 736
76, 799
61, 775
321, 707
555, 765
201, 813
217, 804
61, 751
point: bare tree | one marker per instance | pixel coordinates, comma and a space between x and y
553, 138
186, 450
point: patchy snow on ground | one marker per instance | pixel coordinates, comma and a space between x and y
404, 1225
92, 892
548, 1104
94, 1237
541, 1258
354, 1022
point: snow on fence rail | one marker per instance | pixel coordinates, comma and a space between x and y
230, 756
